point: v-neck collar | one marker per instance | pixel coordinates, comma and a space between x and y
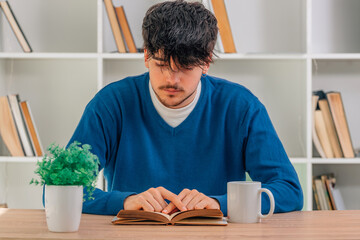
156, 116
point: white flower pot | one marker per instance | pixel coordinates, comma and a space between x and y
63, 207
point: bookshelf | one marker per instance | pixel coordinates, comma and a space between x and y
285, 50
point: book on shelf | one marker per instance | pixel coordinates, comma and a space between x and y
329, 181
218, 46
8, 129
20, 124
190, 217
342, 129
327, 196
315, 136
15, 26
124, 25
227, 41
322, 134
115, 27
320, 191
3, 205
316, 197
330, 128
31, 128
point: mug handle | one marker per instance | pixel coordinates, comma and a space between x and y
272, 202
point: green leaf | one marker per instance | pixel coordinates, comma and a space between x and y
75, 165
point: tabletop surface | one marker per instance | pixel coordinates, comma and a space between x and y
31, 224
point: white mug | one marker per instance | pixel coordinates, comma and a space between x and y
244, 202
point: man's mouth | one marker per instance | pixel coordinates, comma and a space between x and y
171, 90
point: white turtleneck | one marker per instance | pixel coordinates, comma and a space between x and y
172, 116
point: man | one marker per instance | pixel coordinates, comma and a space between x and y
173, 137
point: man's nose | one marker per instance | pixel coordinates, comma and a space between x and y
173, 76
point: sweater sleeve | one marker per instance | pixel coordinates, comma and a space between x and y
267, 162
100, 130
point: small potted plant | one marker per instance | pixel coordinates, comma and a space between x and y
65, 172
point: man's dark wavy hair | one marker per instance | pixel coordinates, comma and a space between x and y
183, 31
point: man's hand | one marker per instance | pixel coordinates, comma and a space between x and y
153, 200
193, 199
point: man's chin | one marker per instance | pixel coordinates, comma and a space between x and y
172, 103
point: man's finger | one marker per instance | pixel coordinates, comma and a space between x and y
154, 203
202, 204
193, 202
145, 204
157, 196
171, 207
172, 198
190, 196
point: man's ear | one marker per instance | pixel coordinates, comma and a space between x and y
207, 65
205, 68
146, 58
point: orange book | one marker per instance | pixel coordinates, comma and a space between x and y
224, 26
8, 129
340, 122
125, 29
30, 125
115, 26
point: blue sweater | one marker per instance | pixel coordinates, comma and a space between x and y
227, 134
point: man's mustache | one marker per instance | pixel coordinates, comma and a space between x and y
174, 87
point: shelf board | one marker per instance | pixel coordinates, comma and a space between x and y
19, 159
257, 56
335, 161
335, 56
48, 55
298, 160
122, 55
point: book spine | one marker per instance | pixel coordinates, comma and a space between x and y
14, 103
218, 46
330, 128
20, 36
323, 136
125, 29
115, 26
31, 127
224, 26
340, 122
8, 129
315, 136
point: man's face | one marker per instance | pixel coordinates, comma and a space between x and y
174, 87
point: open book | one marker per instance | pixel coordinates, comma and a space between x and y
190, 217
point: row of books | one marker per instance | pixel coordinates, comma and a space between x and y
120, 28
14, 24
331, 135
326, 195
17, 127
125, 42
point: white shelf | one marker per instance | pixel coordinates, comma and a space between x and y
20, 159
48, 56
299, 160
260, 56
335, 161
345, 56
122, 55
220, 56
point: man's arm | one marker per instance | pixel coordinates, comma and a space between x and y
267, 162
100, 129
